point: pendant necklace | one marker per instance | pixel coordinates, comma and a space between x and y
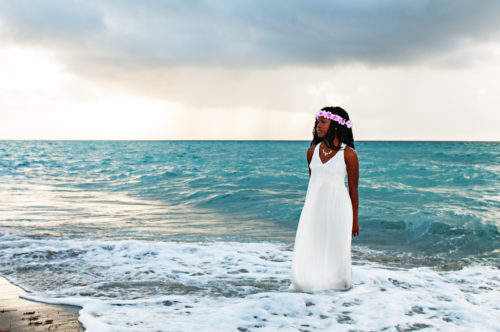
326, 154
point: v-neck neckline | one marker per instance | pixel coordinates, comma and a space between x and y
319, 154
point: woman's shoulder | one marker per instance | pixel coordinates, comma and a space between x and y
312, 147
350, 153
310, 152
349, 149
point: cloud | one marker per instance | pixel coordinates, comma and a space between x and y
49, 21
251, 33
282, 55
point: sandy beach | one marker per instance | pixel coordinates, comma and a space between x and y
18, 315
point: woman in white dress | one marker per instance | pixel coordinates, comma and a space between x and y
329, 218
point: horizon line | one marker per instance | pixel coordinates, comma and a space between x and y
240, 140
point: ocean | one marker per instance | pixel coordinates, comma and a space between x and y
198, 235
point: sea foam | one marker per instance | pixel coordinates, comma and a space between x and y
218, 286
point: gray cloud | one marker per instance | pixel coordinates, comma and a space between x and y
50, 21
250, 33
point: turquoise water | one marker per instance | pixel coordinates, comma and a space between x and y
422, 205
438, 200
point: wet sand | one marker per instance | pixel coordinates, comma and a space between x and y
19, 315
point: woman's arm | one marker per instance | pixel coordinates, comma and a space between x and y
352, 165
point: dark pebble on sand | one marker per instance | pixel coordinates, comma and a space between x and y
35, 323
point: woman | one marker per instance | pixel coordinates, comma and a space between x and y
329, 218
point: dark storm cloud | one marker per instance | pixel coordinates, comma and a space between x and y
250, 33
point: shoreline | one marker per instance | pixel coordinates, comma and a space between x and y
20, 315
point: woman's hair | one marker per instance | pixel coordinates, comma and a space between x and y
344, 134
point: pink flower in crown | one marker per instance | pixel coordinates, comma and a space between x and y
323, 114
333, 117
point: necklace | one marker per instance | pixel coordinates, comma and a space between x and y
325, 153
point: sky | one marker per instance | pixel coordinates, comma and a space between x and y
250, 70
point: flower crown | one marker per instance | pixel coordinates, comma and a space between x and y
333, 117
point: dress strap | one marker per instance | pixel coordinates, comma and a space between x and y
316, 150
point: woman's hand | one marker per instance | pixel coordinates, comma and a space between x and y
355, 228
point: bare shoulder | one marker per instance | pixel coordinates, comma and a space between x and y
310, 153
350, 154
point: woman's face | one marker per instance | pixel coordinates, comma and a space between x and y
322, 126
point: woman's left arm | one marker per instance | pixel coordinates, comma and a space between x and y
352, 165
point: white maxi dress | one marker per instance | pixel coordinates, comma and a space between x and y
322, 250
